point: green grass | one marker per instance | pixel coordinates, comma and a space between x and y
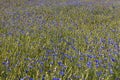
61, 38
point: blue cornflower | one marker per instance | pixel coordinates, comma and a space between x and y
21, 78
97, 65
97, 61
42, 63
79, 65
99, 73
111, 71
64, 67
56, 79
60, 63
81, 58
115, 52
31, 79
89, 64
116, 46
51, 63
41, 70
26, 71
113, 59
43, 77
102, 40
105, 58
55, 54
73, 48
61, 73
49, 71
110, 41
117, 78
75, 76
89, 56
104, 66
26, 58
109, 65
30, 67
6, 63
102, 47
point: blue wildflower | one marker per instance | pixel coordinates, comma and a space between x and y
97, 61
81, 58
110, 65
21, 79
43, 77
104, 66
26, 71
116, 46
113, 59
60, 63
115, 52
105, 58
30, 67
99, 73
77, 77
89, 64
61, 73
31, 79
89, 56
110, 41
42, 63
117, 78
79, 65
102, 40
6, 63
49, 71
51, 63
111, 71
56, 79
97, 65
41, 70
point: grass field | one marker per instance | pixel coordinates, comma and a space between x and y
59, 40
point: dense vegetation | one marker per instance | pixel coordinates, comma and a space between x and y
67, 41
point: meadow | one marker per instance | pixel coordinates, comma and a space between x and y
59, 40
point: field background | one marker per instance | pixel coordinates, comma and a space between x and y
59, 40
